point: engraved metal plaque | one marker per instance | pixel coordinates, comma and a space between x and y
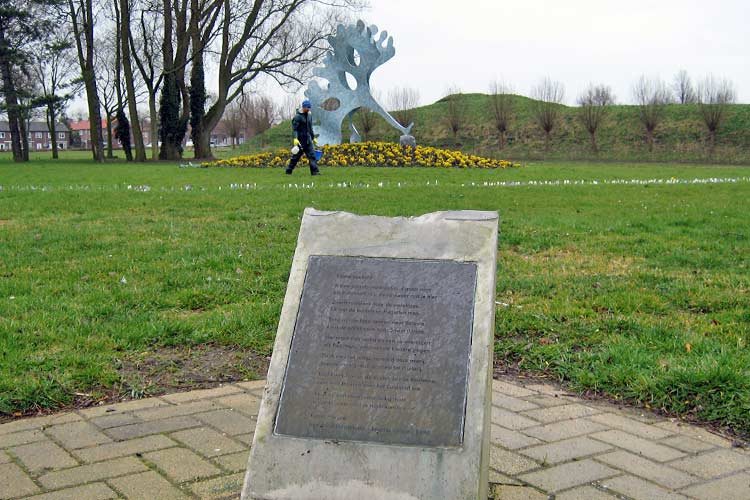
380, 352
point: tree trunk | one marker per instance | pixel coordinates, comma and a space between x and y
85, 36
650, 140
109, 136
52, 127
154, 117
594, 145
502, 139
135, 124
24, 129
11, 99
197, 87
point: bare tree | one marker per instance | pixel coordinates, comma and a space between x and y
455, 114
714, 97
259, 113
82, 20
683, 88
146, 53
594, 103
105, 61
651, 97
234, 121
365, 121
56, 75
289, 107
501, 103
403, 101
548, 95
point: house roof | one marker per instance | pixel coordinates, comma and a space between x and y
84, 125
35, 127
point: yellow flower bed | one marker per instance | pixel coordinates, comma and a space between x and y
370, 154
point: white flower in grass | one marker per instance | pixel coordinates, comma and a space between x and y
123, 280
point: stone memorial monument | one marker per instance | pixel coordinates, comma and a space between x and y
379, 386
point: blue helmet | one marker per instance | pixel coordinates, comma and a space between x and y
306, 104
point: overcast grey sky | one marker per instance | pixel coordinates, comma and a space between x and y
469, 43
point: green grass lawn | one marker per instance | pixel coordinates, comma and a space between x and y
637, 291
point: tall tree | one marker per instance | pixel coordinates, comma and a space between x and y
403, 101
173, 114
57, 78
594, 103
280, 39
107, 75
20, 24
82, 21
714, 97
549, 95
146, 54
651, 97
501, 103
125, 39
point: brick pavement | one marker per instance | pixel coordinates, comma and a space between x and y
546, 444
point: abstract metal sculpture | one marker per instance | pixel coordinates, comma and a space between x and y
354, 50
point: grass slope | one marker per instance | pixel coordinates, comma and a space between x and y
681, 136
637, 291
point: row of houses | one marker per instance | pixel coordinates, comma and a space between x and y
41, 140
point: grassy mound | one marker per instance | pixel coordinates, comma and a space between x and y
370, 154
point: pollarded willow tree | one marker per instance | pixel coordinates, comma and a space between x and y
549, 95
594, 103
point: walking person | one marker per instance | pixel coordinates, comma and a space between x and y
304, 140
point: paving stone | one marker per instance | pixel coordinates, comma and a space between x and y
115, 420
562, 451
208, 442
252, 385
77, 435
22, 437
564, 476
564, 430
176, 410
510, 463
505, 492
548, 401
228, 421
496, 477
93, 491
688, 444
638, 489
43, 455
548, 389
565, 412
511, 420
14, 482
38, 422
510, 389
182, 397
93, 472
235, 462
637, 445
698, 433
639, 466
729, 488
220, 488
153, 427
4, 458
135, 404
511, 403
632, 426
123, 448
181, 464
511, 439
245, 438
244, 402
584, 493
714, 463
146, 486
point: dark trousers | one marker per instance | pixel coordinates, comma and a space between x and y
307, 149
